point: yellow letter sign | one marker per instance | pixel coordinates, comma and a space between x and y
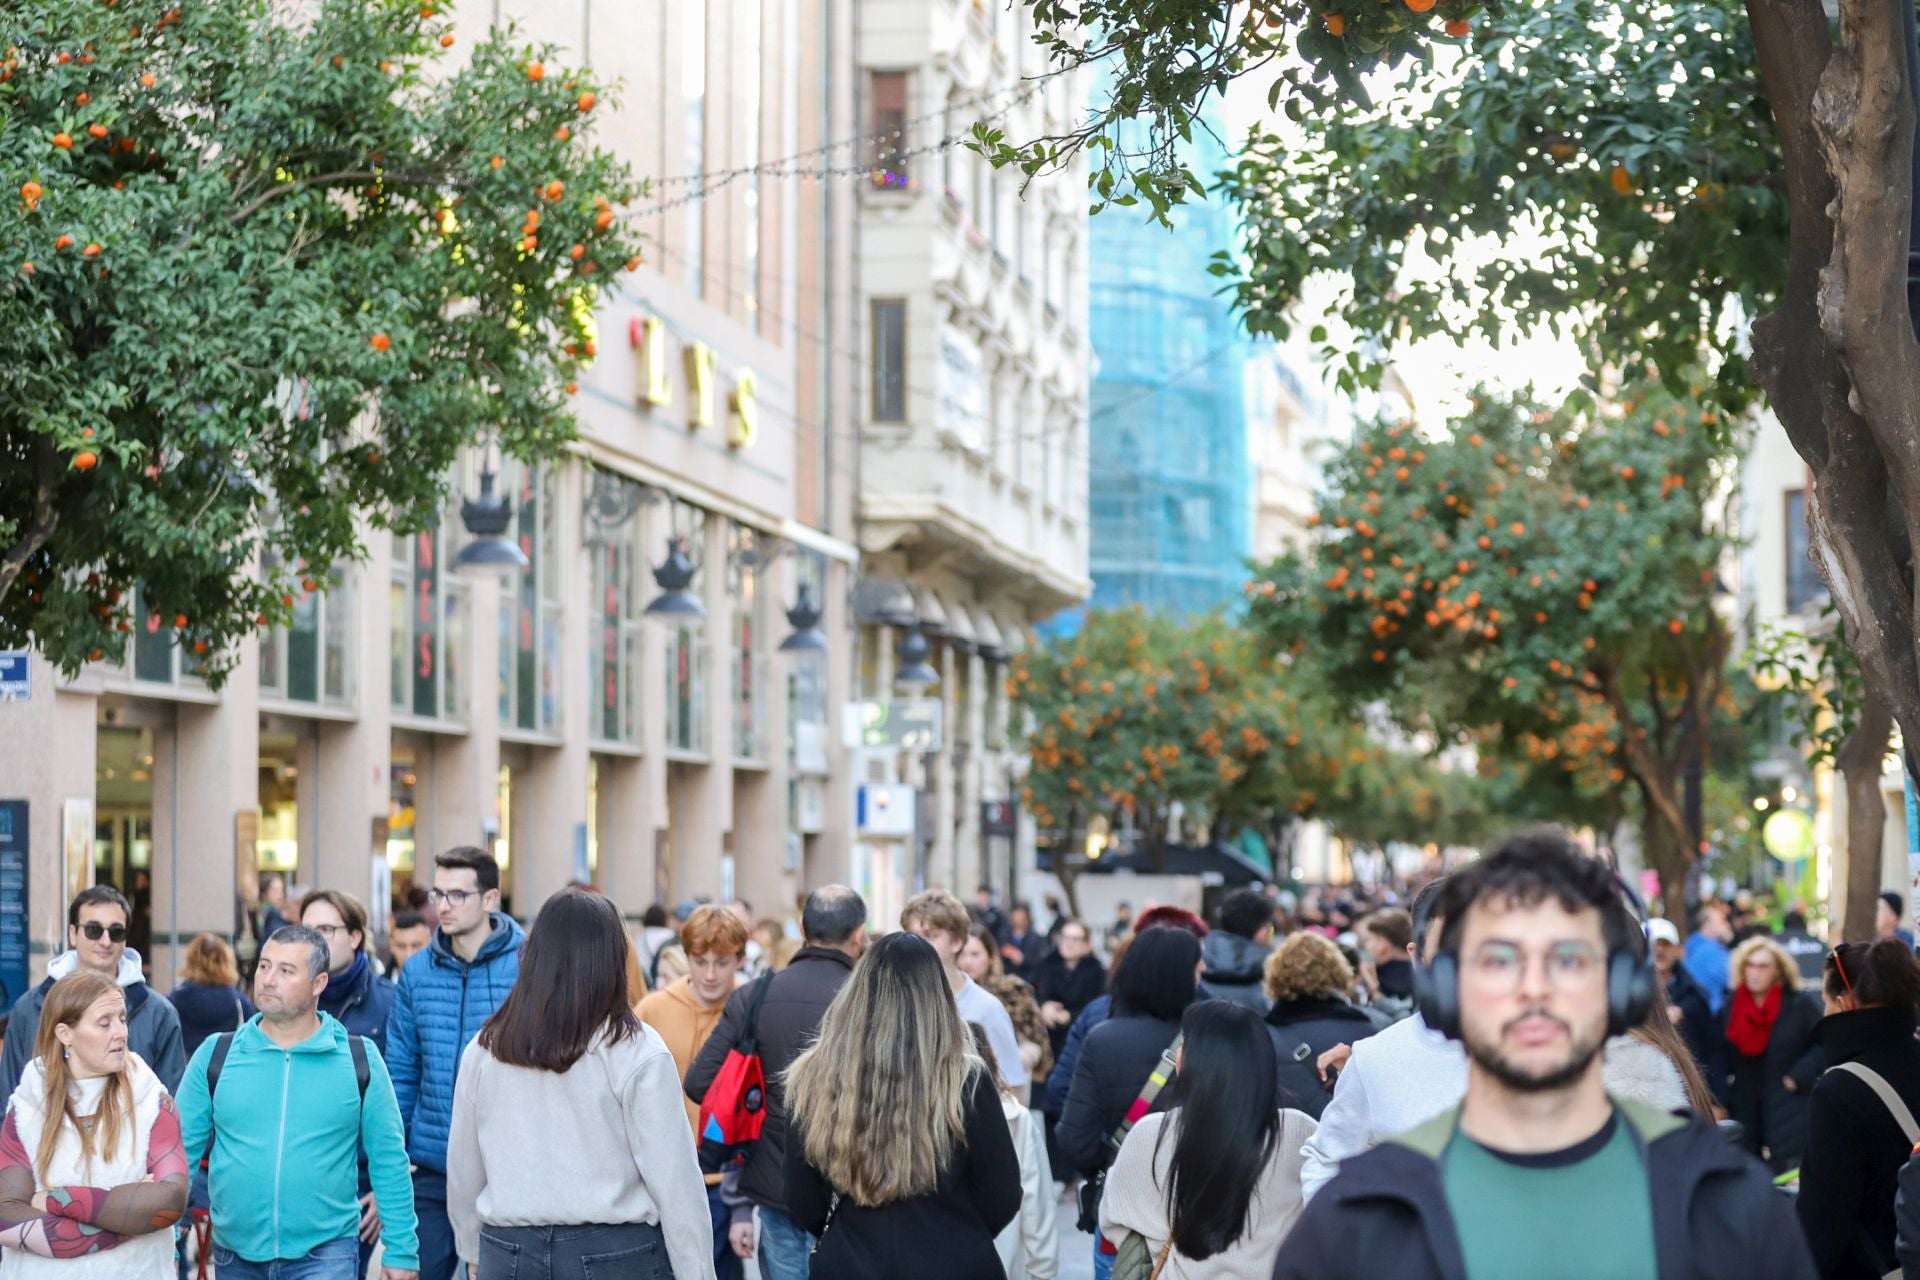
700, 362
746, 414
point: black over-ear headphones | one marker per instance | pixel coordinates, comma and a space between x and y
1436, 991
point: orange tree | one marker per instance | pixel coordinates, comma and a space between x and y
1538, 585
264, 270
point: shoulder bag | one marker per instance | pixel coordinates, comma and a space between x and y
1897, 1108
1090, 1190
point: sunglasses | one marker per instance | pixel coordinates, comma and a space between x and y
93, 929
1840, 966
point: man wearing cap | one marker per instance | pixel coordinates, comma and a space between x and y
1887, 917
1688, 1005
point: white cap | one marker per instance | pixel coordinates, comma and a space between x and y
1659, 930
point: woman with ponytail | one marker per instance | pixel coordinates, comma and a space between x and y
92, 1174
1859, 1126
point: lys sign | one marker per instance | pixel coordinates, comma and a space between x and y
648, 337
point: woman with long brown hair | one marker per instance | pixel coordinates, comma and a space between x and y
904, 1165
569, 1137
980, 960
92, 1174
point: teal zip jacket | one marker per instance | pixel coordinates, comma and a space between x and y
288, 1126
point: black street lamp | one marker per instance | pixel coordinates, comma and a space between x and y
487, 518
915, 671
805, 618
675, 576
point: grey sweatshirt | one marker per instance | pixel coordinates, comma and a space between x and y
605, 1141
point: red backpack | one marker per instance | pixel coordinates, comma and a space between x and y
735, 1106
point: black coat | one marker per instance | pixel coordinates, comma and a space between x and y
1855, 1149
1396, 979
207, 1011
1700, 1028
790, 1018
1715, 1212
1773, 1116
1235, 969
946, 1234
1319, 1024
1075, 987
1115, 1060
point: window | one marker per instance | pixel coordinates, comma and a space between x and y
889, 360
693, 87
308, 661
807, 727
428, 629
687, 652
618, 581
158, 656
530, 606
747, 34
747, 645
887, 128
1804, 588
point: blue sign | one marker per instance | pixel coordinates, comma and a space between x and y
13, 899
16, 684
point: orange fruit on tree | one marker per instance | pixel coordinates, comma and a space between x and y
562, 134
497, 161
380, 342
180, 621
578, 251
148, 80
572, 388
603, 219
64, 242
446, 41
82, 99
586, 101
63, 141
1336, 25
556, 189
1676, 626
30, 193
536, 72
1622, 179
85, 460
1458, 27
1421, 6
91, 251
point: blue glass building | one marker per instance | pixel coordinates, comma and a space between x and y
1168, 461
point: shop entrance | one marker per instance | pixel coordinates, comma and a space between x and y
123, 825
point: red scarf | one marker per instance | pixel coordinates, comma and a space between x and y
1750, 1024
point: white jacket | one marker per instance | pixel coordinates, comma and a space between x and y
147, 1257
1408, 1074
1030, 1247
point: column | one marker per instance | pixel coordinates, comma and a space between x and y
555, 855
210, 781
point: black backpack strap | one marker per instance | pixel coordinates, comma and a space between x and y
750, 1038
222, 1043
357, 1046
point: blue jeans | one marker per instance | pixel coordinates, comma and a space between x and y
629, 1251
439, 1258
1102, 1261
786, 1252
334, 1260
726, 1263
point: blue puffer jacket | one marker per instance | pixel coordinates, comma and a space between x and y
440, 1004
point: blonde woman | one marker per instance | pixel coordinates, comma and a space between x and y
903, 1163
1772, 1056
92, 1174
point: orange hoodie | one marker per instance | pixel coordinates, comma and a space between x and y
685, 1026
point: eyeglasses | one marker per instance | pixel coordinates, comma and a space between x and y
93, 929
1073, 937
1499, 966
455, 898
329, 930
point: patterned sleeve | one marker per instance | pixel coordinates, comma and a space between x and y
22, 1226
137, 1208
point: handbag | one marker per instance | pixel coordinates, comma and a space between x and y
1090, 1190
1135, 1263
735, 1107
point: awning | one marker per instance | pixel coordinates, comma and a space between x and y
961, 626
883, 600
991, 644
931, 612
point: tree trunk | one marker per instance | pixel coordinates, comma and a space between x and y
1861, 758
1666, 854
1838, 358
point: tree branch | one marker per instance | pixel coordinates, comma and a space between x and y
44, 520
396, 177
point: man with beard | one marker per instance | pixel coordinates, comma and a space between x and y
1539, 1172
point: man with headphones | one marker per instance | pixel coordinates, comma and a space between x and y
1539, 1171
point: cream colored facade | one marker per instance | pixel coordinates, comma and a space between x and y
415, 707
973, 414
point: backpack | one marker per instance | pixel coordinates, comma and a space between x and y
735, 1107
222, 1043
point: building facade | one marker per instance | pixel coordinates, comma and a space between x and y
973, 421
547, 714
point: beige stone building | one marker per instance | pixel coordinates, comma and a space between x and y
415, 706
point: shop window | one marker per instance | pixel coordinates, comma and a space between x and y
889, 322
746, 650
427, 650
618, 581
687, 651
807, 728
530, 607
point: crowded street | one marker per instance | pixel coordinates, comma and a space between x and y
959, 640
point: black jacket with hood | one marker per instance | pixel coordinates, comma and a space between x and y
1235, 969
1716, 1213
1850, 1177
1318, 1023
